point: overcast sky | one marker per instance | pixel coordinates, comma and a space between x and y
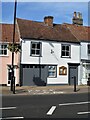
36, 11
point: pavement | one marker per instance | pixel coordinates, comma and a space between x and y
34, 90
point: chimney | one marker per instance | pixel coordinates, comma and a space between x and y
75, 15
48, 20
74, 20
80, 20
77, 18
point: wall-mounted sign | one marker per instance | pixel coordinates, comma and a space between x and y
62, 70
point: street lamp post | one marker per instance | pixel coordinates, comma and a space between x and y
13, 41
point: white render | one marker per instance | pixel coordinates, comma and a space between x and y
85, 65
84, 51
52, 58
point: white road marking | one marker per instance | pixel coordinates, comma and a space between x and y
12, 118
50, 112
80, 113
77, 103
5, 108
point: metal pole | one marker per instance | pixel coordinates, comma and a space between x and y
14, 85
13, 45
74, 84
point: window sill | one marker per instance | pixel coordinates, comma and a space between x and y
65, 57
52, 77
35, 56
4, 55
63, 74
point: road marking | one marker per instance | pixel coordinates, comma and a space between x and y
5, 108
78, 103
12, 118
50, 112
80, 113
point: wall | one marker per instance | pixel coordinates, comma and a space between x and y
84, 51
6, 60
51, 59
84, 66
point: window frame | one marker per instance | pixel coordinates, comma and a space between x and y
52, 71
3, 49
66, 51
35, 55
88, 49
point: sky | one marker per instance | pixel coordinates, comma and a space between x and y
36, 11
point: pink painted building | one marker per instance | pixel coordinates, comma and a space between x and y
6, 55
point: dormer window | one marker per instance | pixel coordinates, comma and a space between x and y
3, 49
88, 47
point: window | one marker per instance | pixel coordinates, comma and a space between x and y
52, 71
62, 70
3, 49
35, 49
89, 49
65, 50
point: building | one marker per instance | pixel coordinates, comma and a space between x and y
6, 55
50, 53
82, 34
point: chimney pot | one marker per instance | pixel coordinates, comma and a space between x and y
48, 20
75, 15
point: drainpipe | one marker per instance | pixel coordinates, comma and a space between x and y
20, 68
80, 66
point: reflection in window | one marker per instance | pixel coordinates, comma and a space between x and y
52, 71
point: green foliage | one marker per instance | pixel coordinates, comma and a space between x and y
14, 47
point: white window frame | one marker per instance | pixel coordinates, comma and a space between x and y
3, 49
36, 49
52, 71
65, 56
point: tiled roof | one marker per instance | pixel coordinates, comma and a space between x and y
7, 33
38, 30
82, 33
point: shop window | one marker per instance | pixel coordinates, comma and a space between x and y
52, 71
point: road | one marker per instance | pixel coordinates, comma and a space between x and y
45, 106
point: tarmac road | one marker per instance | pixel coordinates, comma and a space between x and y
46, 106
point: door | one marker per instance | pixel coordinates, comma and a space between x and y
73, 71
35, 75
9, 77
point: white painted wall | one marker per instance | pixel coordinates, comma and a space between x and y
48, 58
85, 56
84, 51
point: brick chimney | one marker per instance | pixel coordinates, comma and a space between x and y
77, 18
48, 20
